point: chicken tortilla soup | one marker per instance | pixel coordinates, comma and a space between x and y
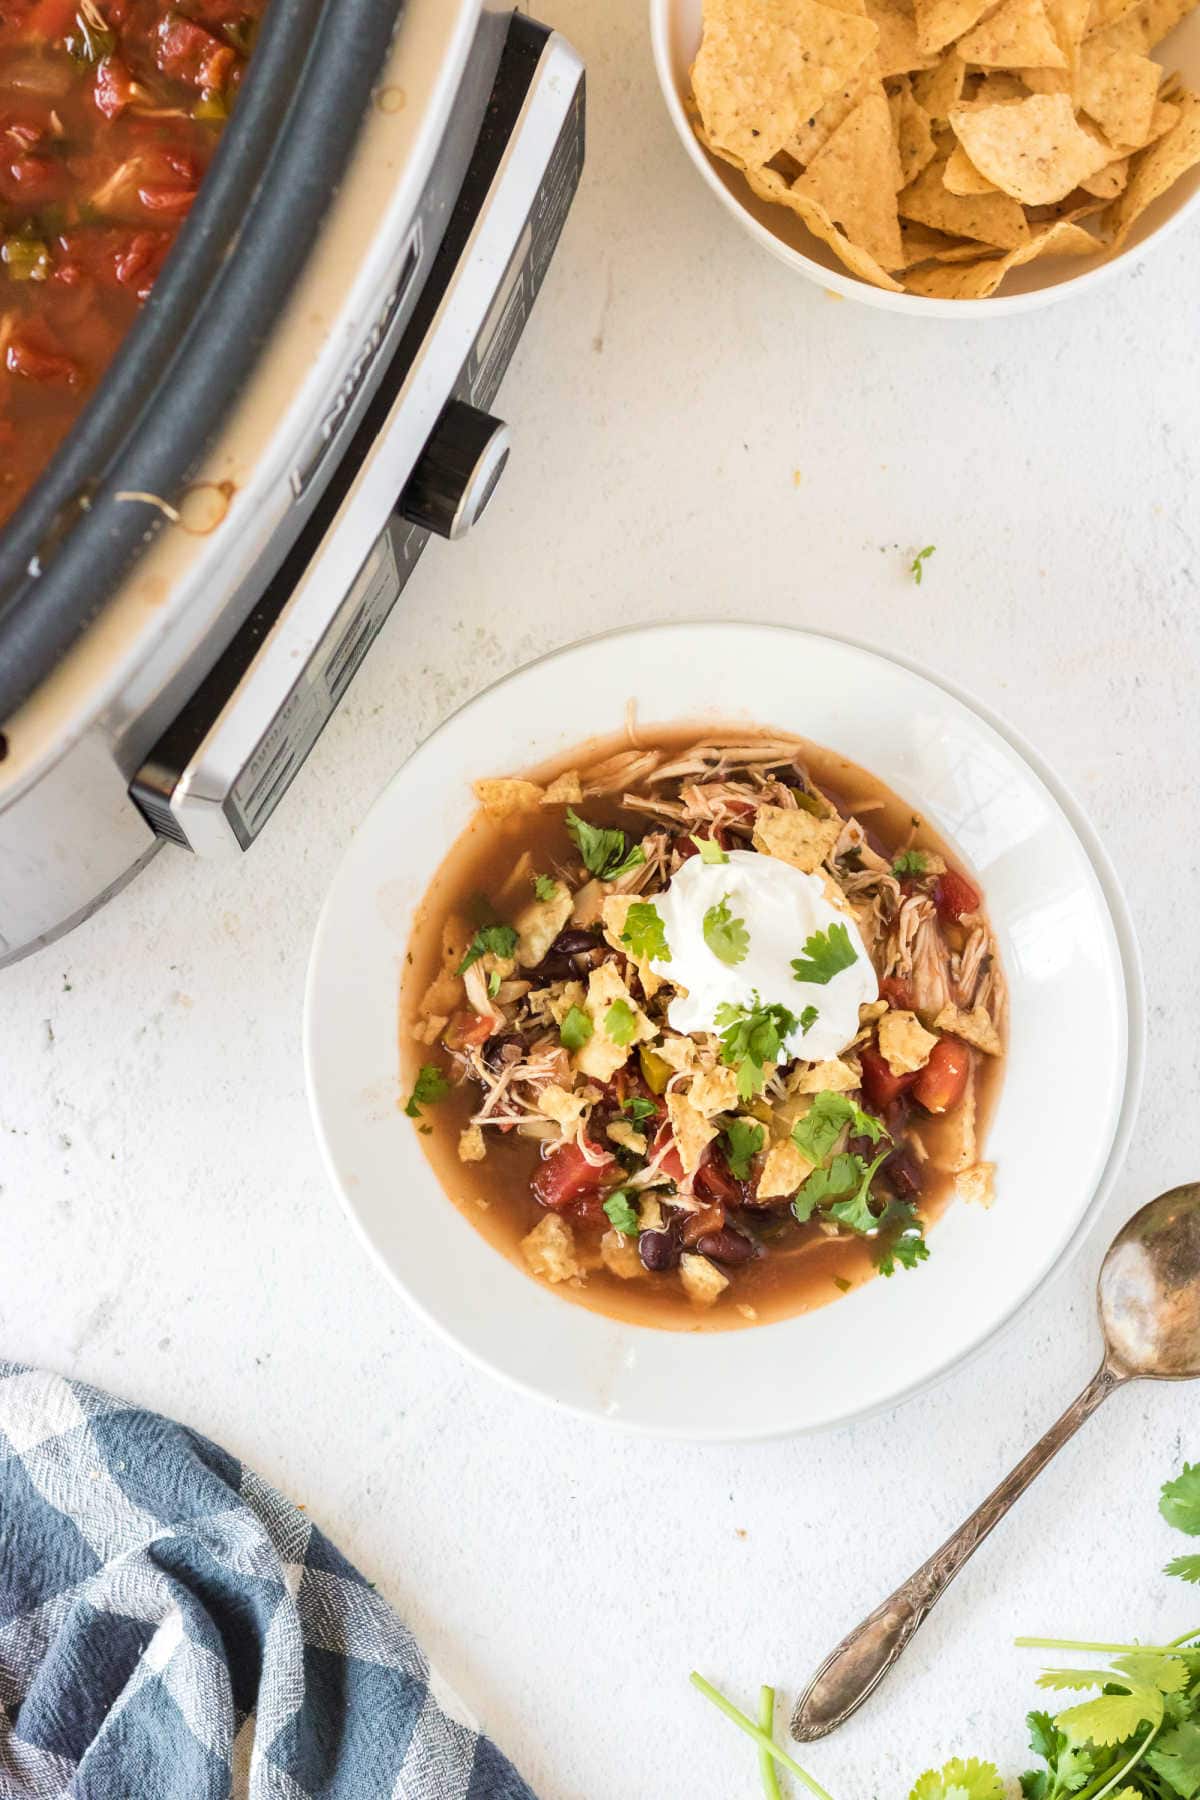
703, 1033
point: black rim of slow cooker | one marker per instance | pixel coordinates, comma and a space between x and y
175, 377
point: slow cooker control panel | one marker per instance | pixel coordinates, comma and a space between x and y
217, 773
457, 473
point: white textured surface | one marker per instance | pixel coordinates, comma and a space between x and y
165, 1225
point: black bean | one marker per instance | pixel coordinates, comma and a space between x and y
574, 942
902, 1172
494, 1047
659, 1250
726, 1246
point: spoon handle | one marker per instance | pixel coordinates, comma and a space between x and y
862, 1659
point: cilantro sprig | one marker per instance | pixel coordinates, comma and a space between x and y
916, 567
710, 850
743, 1141
828, 1116
620, 1023
826, 954
645, 932
606, 851
751, 1040
576, 1028
621, 1212
430, 1086
910, 862
725, 935
544, 887
500, 940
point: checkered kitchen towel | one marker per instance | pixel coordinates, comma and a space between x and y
171, 1628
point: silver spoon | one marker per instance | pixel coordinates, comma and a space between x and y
1149, 1300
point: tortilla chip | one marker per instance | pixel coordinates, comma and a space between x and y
962, 177
1068, 21
1118, 89
856, 177
976, 1027
911, 130
1154, 170
1047, 81
1034, 149
921, 245
505, 797
764, 66
769, 186
992, 219
940, 22
978, 280
897, 51
937, 90
995, 87
714, 1091
564, 789
1018, 33
794, 836
814, 133
977, 1184
692, 1131
1109, 181
1140, 26
832, 1077
782, 1172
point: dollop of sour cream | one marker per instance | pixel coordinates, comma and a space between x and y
780, 908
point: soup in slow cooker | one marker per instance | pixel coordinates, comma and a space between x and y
110, 111
703, 1032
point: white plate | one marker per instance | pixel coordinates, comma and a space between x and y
1072, 967
675, 33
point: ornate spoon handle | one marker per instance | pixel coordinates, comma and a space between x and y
863, 1658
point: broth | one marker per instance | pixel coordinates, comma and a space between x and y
803, 1268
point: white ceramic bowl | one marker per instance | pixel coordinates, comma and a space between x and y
675, 33
1072, 967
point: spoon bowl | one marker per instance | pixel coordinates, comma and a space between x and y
1149, 1290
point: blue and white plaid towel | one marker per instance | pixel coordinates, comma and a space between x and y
171, 1628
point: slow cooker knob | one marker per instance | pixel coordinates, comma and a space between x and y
457, 472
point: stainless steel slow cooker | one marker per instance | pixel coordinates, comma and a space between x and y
188, 591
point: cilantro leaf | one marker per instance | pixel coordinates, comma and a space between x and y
911, 862
826, 954
639, 1108
725, 935
494, 983
545, 887
818, 1131
743, 1140
1067, 1765
620, 1022
710, 850
1186, 1567
644, 932
1134, 1689
855, 1212
808, 1019
826, 1185
1176, 1757
500, 940
916, 567
959, 1780
606, 852
621, 1213
901, 1238
751, 1038
576, 1028
429, 1087
1180, 1502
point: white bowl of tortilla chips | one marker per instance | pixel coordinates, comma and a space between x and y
918, 153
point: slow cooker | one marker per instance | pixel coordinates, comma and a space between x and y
307, 397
